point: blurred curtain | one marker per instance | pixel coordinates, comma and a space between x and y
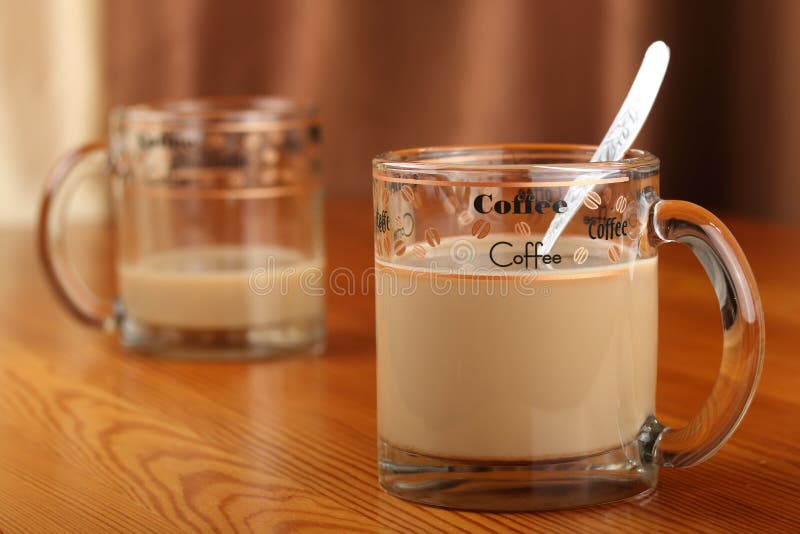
399, 73
392, 74
52, 95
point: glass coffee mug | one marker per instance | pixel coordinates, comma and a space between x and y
217, 205
515, 376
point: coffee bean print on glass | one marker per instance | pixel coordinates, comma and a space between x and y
407, 193
481, 228
606, 194
386, 244
399, 248
592, 200
382, 245
447, 199
465, 218
580, 255
522, 229
630, 214
385, 197
614, 253
621, 204
433, 237
377, 187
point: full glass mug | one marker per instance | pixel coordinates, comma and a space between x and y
217, 205
513, 375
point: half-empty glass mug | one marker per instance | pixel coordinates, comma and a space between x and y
516, 363
217, 205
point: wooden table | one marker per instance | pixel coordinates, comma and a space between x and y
96, 440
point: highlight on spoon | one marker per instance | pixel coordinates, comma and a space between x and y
620, 135
637, 105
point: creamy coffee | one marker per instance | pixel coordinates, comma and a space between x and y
561, 363
222, 287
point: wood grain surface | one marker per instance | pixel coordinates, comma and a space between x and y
96, 440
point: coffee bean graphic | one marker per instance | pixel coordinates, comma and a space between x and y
522, 229
432, 237
386, 243
592, 200
385, 197
481, 228
465, 218
270, 157
634, 228
407, 193
450, 202
418, 251
252, 142
606, 194
581, 255
215, 141
621, 204
399, 248
448, 206
491, 191
614, 253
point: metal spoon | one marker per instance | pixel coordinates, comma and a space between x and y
622, 132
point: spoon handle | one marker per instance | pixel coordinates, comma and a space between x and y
636, 107
622, 132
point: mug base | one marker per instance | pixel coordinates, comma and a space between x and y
600, 478
295, 338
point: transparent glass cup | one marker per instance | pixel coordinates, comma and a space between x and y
517, 376
217, 205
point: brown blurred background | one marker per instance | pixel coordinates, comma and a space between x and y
392, 74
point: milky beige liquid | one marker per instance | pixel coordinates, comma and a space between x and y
569, 371
222, 287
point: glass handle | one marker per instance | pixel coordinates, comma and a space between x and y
73, 292
743, 331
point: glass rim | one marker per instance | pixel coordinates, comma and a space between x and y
449, 160
232, 112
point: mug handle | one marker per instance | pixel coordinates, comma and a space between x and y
65, 281
743, 335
